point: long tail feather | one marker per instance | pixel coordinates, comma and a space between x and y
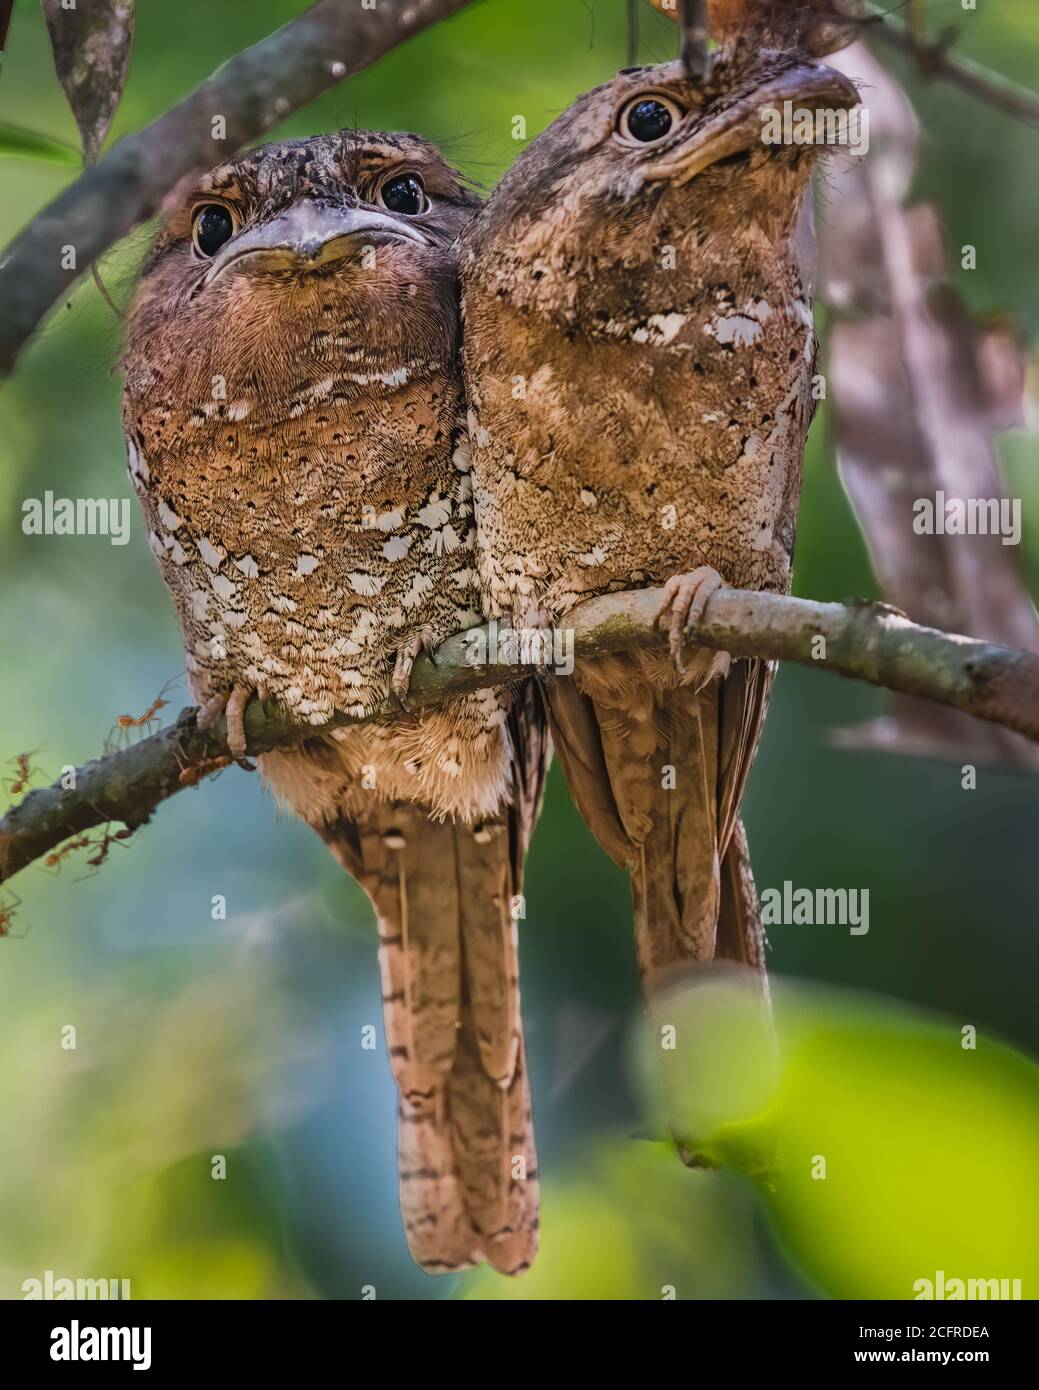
443, 893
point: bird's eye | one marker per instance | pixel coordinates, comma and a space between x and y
211, 227
405, 194
648, 119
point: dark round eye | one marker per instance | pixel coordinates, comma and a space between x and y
213, 225
648, 119
404, 194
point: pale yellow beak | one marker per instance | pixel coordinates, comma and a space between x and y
740, 127
305, 237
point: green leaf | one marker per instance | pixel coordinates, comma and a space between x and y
27, 144
905, 1147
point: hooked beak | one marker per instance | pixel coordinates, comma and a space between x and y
306, 237
739, 128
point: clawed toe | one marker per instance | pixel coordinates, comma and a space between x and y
236, 704
232, 703
406, 658
211, 711
686, 596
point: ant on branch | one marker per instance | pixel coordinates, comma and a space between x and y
120, 733
23, 770
8, 907
57, 856
190, 776
104, 845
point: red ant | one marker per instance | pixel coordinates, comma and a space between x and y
55, 858
107, 840
125, 722
23, 772
191, 776
8, 907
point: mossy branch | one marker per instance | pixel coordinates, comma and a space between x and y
864, 641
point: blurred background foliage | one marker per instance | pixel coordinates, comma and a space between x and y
242, 1037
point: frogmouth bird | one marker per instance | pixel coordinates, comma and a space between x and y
294, 414
639, 351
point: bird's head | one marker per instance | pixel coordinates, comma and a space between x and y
653, 161
333, 254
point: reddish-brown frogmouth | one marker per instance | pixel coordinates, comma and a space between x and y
639, 350
293, 409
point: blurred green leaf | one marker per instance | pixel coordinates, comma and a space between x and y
902, 1151
931, 1152
627, 1221
18, 143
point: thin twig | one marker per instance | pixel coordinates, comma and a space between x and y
934, 58
865, 641
695, 33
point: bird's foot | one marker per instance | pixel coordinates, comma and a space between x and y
421, 641
686, 597
232, 703
532, 627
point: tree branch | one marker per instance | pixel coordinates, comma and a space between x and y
865, 641
252, 92
934, 59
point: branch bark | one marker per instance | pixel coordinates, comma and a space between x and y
252, 92
695, 36
934, 58
864, 641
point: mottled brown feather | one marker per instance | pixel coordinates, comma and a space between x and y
443, 894
297, 440
639, 354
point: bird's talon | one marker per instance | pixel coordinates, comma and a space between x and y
685, 598
211, 711
230, 703
236, 703
401, 679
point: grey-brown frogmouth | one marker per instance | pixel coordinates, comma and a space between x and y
638, 349
293, 409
